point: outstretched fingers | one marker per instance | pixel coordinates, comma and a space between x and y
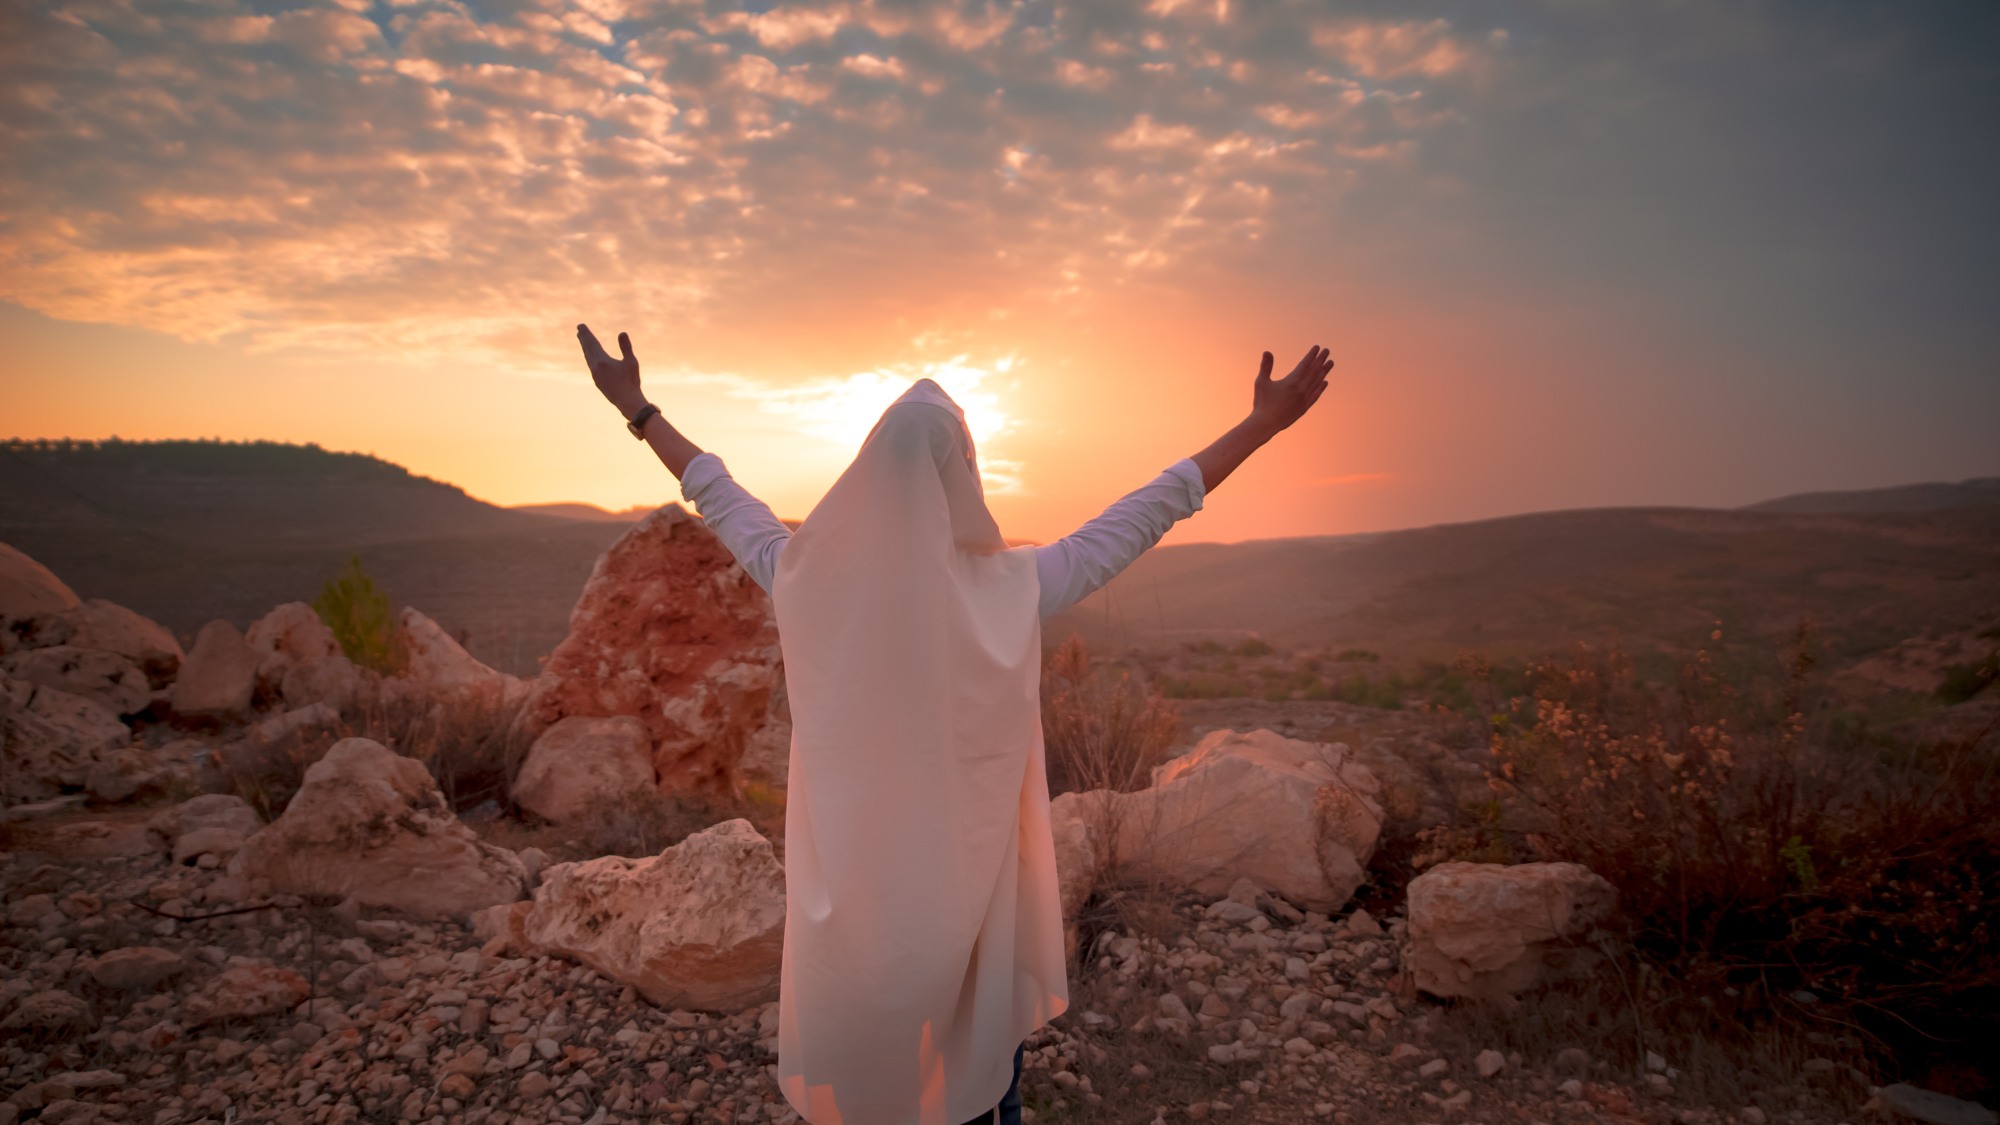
593, 352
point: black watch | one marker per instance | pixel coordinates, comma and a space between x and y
638, 423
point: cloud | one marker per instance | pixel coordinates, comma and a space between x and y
349, 177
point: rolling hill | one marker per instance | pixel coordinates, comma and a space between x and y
189, 531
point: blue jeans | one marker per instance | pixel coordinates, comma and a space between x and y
1008, 1112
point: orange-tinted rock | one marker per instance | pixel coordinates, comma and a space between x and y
371, 824
50, 740
245, 990
1488, 931
671, 631
701, 925
105, 678
219, 675
299, 661
441, 667
106, 627
1298, 819
28, 588
581, 764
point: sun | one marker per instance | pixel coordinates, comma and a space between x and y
840, 410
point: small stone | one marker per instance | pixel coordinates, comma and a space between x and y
1298, 1005
1573, 1060
547, 1048
89, 1079
1655, 1063
1141, 1071
1406, 1055
1457, 1101
1433, 1068
1489, 1063
697, 1091
1752, 1115
134, 968
473, 1020
533, 1084
1571, 1088
456, 1086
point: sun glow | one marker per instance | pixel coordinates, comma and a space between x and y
840, 410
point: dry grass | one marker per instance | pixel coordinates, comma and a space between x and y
1101, 733
470, 744
1765, 846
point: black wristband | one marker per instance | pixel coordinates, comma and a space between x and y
638, 423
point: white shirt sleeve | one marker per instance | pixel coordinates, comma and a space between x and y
1085, 559
744, 523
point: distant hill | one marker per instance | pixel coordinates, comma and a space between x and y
1904, 498
186, 531
1526, 585
582, 512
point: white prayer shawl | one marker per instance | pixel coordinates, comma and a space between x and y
923, 930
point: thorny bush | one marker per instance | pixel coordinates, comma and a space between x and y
1763, 845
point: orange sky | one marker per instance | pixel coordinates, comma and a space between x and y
1547, 283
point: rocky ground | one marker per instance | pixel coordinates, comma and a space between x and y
142, 990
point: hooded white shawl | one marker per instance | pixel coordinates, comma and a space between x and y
923, 932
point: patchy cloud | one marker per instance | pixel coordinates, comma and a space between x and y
425, 174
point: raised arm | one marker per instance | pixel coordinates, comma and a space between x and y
1086, 559
618, 379
1275, 404
744, 523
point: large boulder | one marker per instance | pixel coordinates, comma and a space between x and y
701, 925
1298, 819
219, 677
27, 588
1489, 931
442, 668
371, 824
670, 630
104, 678
299, 660
50, 740
583, 763
107, 627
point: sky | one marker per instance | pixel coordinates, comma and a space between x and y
1565, 254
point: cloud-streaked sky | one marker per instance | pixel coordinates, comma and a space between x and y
1566, 253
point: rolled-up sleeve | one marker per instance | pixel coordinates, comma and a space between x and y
745, 524
1084, 560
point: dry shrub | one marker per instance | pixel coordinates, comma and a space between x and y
1101, 733
471, 745
646, 823
1760, 844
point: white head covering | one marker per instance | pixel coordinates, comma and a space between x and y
923, 932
